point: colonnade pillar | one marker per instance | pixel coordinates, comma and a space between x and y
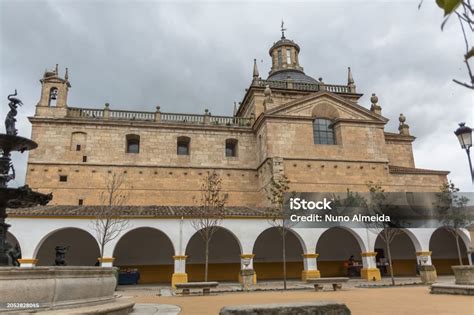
246, 268
425, 267
27, 262
179, 275
370, 271
310, 266
106, 261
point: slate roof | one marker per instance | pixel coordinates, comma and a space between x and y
412, 170
131, 211
296, 76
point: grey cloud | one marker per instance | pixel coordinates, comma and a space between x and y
188, 56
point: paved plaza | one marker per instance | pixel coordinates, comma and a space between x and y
407, 299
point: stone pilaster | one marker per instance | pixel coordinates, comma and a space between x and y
370, 271
310, 266
179, 275
27, 262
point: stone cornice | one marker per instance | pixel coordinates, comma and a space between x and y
143, 124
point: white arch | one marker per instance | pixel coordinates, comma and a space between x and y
356, 233
413, 237
45, 237
463, 234
185, 248
138, 228
290, 230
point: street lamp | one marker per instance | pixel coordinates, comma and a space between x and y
464, 134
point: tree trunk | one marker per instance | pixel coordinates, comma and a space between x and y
284, 259
206, 261
390, 262
458, 248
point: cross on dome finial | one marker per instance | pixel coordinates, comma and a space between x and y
283, 29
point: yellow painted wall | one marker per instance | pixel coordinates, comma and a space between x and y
153, 274
443, 266
274, 270
217, 272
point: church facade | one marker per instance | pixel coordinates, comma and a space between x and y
316, 134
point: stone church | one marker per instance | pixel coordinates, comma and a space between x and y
289, 123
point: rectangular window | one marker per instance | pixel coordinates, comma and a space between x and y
230, 147
288, 56
183, 146
183, 149
323, 132
63, 178
80, 202
84, 158
78, 147
279, 57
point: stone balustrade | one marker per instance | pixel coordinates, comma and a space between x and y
303, 86
205, 119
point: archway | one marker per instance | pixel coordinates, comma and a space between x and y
147, 250
83, 248
224, 257
335, 246
403, 254
268, 258
444, 252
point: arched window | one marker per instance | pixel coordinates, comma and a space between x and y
133, 144
182, 147
323, 132
53, 96
230, 147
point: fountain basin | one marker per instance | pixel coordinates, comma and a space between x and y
22, 197
15, 143
55, 287
464, 274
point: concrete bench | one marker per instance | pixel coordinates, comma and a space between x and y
319, 307
205, 286
335, 281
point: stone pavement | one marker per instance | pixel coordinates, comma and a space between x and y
165, 290
158, 309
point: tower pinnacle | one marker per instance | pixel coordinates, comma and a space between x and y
283, 29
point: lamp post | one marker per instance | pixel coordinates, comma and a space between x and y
464, 134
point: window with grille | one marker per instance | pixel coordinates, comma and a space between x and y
323, 132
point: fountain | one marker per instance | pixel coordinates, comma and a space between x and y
44, 288
22, 197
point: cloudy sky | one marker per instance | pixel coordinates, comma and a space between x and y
187, 56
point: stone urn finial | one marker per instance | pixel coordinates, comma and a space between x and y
403, 128
375, 107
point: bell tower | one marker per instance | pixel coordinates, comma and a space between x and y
284, 54
54, 89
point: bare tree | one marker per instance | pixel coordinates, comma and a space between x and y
387, 231
276, 218
107, 224
464, 11
453, 213
210, 213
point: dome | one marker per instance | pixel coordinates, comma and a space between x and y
296, 76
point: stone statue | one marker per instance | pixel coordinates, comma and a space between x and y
61, 255
14, 253
5, 175
11, 120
